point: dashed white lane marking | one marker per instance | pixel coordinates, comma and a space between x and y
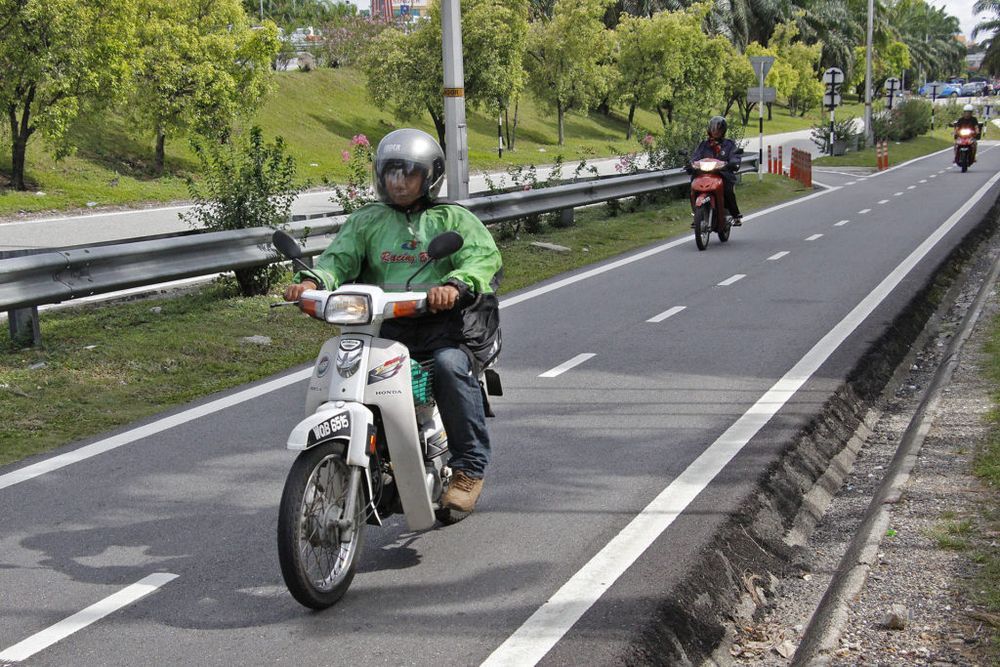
897, 194
814, 237
923, 180
850, 183
732, 279
841, 223
864, 210
776, 256
911, 187
562, 368
883, 201
553, 619
665, 314
933, 176
78, 621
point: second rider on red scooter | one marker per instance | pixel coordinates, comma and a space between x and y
719, 147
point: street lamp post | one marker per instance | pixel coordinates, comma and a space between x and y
869, 130
456, 148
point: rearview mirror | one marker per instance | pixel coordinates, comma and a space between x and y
286, 245
445, 244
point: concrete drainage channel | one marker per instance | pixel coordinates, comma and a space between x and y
741, 571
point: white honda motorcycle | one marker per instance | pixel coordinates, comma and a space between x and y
372, 444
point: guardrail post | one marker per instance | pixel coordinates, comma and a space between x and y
566, 217
24, 329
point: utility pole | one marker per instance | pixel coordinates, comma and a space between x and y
456, 167
869, 131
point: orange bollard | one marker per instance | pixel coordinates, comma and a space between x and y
878, 155
781, 161
885, 153
809, 170
770, 164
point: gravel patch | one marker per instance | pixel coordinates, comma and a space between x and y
913, 608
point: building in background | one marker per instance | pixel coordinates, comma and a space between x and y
401, 9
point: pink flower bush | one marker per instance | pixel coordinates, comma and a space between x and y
360, 140
345, 156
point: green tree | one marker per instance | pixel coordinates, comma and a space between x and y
989, 25
199, 66
59, 58
568, 58
405, 72
889, 61
247, 183
804, 59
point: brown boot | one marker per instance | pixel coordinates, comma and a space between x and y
462, 493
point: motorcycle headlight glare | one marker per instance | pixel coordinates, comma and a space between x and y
965, 132
348, 309
706, 165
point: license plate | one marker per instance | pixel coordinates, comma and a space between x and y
337, 425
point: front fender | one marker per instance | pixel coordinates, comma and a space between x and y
328, 423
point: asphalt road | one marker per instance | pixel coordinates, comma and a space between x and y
679, 408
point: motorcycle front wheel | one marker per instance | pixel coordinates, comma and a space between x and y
316, 565
702, 226
725, 226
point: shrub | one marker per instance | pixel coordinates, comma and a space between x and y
358, 192
247, 183
845, 129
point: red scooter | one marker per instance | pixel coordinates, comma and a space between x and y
965, 148
708, 203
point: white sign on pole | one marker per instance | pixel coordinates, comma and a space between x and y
831, 100
765, 95
761, 65
833, 76
892, 84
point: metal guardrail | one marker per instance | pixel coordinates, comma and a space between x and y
62, 275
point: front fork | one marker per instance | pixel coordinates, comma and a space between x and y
346, 524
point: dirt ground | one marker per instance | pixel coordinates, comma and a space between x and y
925, 559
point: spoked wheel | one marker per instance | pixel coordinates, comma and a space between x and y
702, 226
316, 564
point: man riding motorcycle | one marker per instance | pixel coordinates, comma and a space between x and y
719, 147
383, 244
967, 121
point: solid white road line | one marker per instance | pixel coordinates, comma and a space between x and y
562, 368
841, 223
864, 210
732, 279
814, 237
95, 612
776, 256
665, 314
543, 629
138, 433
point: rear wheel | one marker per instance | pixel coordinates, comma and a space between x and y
965, 167
702, 225
316, 564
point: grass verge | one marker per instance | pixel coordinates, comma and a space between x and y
898, 152
105, 366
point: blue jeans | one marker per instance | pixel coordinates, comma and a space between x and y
460, 401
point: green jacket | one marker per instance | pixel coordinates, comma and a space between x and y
381, 245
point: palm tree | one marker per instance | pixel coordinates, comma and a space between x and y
991, 61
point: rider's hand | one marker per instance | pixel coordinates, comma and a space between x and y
293, 292
442, 297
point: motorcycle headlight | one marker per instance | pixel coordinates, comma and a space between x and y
708, 165
965, 132
348, 309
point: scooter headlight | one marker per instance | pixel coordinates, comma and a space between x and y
706, 165
965, 132
348, 309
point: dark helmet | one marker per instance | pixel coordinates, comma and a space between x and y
717, 123
410, 150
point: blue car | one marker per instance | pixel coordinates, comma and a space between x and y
943, 89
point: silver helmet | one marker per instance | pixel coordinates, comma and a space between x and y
409, 149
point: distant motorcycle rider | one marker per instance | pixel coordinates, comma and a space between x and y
719, 147
381, 244
967, 121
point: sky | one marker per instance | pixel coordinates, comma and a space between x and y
960, 8
963, 10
